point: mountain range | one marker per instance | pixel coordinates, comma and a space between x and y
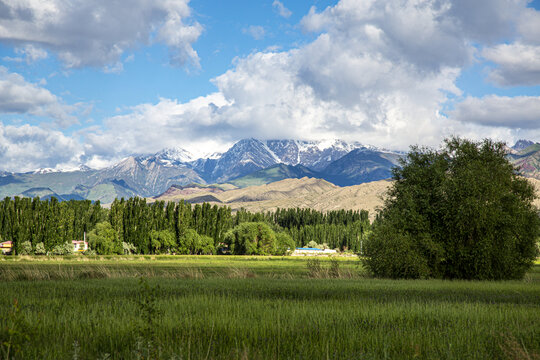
247, 163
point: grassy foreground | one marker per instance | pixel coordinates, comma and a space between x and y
256, 308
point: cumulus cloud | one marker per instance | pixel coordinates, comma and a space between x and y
96, 33
26, 148
501, 111
281, 9
17, 96
376, 72
147, 128
518, 62
348, 83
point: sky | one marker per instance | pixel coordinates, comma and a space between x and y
93, 81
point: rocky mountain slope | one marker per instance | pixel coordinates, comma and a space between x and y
248, 162
527, 160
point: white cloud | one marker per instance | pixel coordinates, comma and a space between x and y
96, 33
17, 96
26, 148
255, 31
377, 72
520, 112
281, 9
518, 64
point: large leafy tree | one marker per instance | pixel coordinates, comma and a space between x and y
251, 238
460, 212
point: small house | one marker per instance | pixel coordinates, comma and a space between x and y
79, 245
312, 251
6, 247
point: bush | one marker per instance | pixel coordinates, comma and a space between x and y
392, 254
461, 212
26, 248
63, 249
128, 248
40, 249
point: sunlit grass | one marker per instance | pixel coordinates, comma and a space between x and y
257, 311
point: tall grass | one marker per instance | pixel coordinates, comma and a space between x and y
256, 316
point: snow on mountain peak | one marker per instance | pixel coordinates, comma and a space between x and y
175, 154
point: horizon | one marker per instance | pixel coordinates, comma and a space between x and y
79, 87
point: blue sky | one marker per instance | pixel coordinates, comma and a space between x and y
89, 82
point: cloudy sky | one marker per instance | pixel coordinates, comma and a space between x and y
91, 81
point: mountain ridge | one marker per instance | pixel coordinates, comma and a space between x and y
247, 162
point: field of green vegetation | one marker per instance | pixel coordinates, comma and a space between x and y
226, 307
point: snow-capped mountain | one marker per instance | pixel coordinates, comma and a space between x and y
169, 157
522, 144
315, 155
153, 174
244, 157
147, 175
249, 155
44, 171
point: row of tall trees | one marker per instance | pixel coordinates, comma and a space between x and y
163, 227
48, 222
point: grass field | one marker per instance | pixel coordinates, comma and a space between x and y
256, 308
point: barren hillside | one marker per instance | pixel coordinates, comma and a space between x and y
304, 193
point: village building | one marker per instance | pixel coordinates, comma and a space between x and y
6, 247
312, 251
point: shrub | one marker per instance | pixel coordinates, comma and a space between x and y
40, 249
461, 212
190, 242
128, 248
312, 244
63, 249
26, 248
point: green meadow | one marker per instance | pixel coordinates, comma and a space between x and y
226, 307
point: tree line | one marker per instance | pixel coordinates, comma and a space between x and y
135, 226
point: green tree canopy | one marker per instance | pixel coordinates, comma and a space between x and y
251, 238
163, 241
461, 212
104, 239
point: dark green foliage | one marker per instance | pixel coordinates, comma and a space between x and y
163, 241
104, 240
49, 222
195, 244
160, 227
284, 243
461, 212
252, 238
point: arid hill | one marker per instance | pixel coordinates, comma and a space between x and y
290, 193
306, 192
